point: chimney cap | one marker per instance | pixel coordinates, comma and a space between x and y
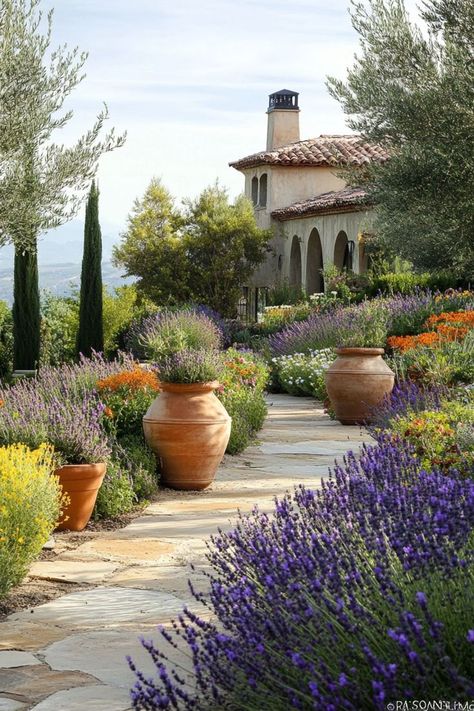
283, 99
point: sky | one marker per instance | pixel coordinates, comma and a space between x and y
189, 82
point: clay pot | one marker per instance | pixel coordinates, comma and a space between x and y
356, 382
81, 482
188, 429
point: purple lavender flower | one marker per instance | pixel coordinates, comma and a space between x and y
61, 407
319, 605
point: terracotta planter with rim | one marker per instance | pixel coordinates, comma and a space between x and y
356, 382
188, 429
81, 482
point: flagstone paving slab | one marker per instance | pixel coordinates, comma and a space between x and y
28, 636
172, 579
10, 704
103, 654
145, 550
73, 572
105, 607
80, 640
33, 684
92, 698
13, 659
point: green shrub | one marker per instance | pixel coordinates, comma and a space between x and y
141, 463
116, 495
59, 324
274, 318
406, 282
242, 394
248, 410
6, 340
120, 309
30, 507
441, 438
285, 293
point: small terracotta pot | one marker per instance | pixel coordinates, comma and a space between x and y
81, 482
356, 382
188, 429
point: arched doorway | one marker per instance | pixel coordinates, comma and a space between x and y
340, 249
314, 264
295, 262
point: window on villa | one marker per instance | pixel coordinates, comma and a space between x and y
262, 201
255, 191
348, 261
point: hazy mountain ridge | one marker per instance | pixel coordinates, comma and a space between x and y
61, 279
60, 259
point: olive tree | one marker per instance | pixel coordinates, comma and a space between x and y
411, 89
42, 183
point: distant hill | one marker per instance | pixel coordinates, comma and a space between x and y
61, 278
60, 259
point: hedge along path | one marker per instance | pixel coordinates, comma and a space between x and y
71, 651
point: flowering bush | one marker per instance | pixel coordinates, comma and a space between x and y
127, 395
242, 387
437, 422
440, 437
348, 597
445, 327
30, 507
303, 373
447, 362
274, 318
364, 325
243, 369
62, 407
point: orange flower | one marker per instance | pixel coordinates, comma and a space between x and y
137, 379
458, 317
108, 412
2, 402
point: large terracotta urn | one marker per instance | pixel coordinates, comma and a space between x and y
188, 429
81, 482
356, 382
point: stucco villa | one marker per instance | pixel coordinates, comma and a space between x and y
296, 188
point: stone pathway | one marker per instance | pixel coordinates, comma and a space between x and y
69, 654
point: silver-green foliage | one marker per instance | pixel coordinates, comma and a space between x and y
41, 182
411, 89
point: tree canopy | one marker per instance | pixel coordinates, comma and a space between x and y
41, 182
411, 89
203, 252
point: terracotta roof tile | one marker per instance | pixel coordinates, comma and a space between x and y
324, 150
334, 201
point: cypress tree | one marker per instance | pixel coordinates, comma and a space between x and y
90, 335
26, 310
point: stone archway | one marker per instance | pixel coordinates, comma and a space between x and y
340, 248
295, 263
314, 264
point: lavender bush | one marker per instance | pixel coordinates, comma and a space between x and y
361, 325
406, 396
368, 323
58, 409
345, 598
190, 366
167, 331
